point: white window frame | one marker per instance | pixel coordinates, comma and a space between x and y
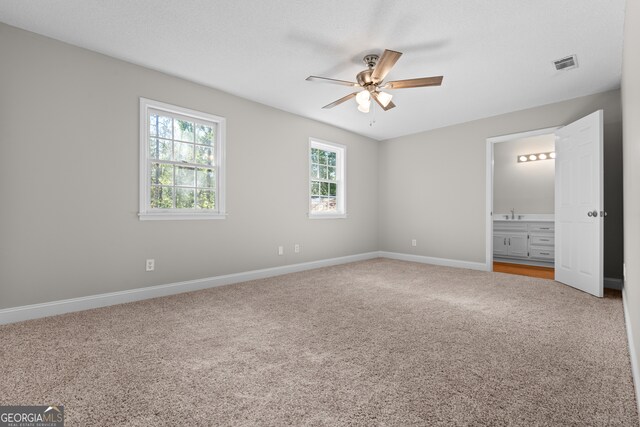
341, 178
148, 213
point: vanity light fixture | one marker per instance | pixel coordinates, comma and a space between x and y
536, 156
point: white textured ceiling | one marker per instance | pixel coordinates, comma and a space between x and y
496, 55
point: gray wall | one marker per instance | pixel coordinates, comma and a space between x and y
69, 180
433, 183
526, 187
631, 149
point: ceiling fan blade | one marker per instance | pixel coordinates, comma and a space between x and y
420, 82
389, 106
384, 65
334, 81
341, 100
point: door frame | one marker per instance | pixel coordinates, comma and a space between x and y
489, 184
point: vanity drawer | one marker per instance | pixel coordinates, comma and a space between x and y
542, 240
509, 226
545, 228
542, 253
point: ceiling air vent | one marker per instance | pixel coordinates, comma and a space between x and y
566, 63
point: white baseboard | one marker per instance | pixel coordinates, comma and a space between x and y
633, 353
613, 283
34, 311
436, 261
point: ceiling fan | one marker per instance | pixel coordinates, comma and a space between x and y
371, 81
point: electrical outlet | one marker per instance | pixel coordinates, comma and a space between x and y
414, 242
296, 248
151, 264
280, 250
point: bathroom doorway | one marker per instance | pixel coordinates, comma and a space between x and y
573, 241
522, 205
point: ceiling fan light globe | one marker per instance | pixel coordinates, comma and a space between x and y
384, 98
364, 107
363, 97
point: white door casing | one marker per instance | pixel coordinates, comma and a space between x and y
579, 204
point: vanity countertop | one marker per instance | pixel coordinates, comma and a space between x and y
525, 218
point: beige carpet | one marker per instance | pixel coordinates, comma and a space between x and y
378, 342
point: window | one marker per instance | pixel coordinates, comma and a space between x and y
181, 163
327, 180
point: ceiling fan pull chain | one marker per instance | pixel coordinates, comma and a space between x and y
373, 114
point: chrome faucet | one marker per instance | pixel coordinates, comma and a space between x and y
513, 213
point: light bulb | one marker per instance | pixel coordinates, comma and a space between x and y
384, 98
552, 155
363, 97
542, 156
533, 157
523, 158
364, 107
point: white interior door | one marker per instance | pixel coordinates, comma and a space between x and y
579, 204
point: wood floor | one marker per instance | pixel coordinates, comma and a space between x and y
524, 270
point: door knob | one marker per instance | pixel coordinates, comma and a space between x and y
592, 213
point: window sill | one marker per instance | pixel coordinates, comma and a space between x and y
327, 216
179, 216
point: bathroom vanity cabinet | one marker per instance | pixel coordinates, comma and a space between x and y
524, 241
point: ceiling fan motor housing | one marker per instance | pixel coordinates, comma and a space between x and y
364, 78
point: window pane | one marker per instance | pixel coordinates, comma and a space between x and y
204, 155
160, 149
315, 188
183, 152
332, 189
315, 171
160, 126
331, 173
323, 204
206, 178
323, 172
206, 199
330, 203
324, 188
182, 130
185, 176
161, 174
204, 135
185, 198
322, 157
332, 158
162, 197
316, 204
314, 155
